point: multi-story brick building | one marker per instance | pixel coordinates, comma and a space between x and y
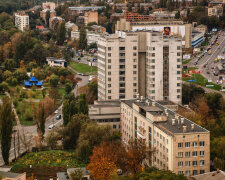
178, 144
144, 62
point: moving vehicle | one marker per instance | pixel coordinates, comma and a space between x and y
58, 117
51, 127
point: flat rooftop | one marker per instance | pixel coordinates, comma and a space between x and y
147, 106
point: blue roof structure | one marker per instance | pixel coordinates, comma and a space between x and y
27, 83
39, 83
33, 79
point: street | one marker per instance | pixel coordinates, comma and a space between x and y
27, 133
206, 63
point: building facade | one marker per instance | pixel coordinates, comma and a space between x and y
215, 10
90, 17
22, 21
43, 14
177, 143
144, 62
106, 112
48, 5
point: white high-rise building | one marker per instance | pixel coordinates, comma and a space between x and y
22, 21
145, 62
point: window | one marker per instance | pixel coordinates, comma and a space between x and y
178, 66
134, 60
195, 172
135, 90
187, 173
202, 171
187, 163
178, 72
187, 144
134, 78
122, 48
180, 154
178, 60
202, 143
178, 48
166, 150
109, 67
109, 91
153, 91
109, 85
134, 72
134, 54
134, 84
109, 73
109, 97
109, 54
194, 163
134, 47
187, 154
114, 126
180, 164
202, 153
194, 153
153, 61
122, 60
109, 48
180, 172
195, 144
134, 66
202, 162
109, 60
122, 54
178, 90
180, 145
109, 79
178, 84
178, 54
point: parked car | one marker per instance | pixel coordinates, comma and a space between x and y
56, 112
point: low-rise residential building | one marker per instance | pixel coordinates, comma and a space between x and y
177, 143
92, 37
201, 28
48, 5
44, 11
54, 21
106, 112
12, 176
90, 17
51, 61
216, 10
197, 38
79, 10
98, 29
71, 26
215, 175
22, 21
136, 16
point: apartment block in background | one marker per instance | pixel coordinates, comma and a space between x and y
90, 17
106, 112
144, 62
22, 21
48, 5
178, 144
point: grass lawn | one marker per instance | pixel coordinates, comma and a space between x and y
46, 163
186, 61
202, 81
2, 96
83, 68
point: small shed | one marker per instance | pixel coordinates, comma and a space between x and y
33, 79
27, 84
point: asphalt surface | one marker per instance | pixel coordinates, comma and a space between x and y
217, 50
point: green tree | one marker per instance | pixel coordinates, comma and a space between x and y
61, 33
83, 39
6, 128
69, 108
77, 174
82, 104
68, 88
177, 15
54, 80
47, 18
51, 140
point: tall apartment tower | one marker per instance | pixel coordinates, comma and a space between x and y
144, 62
117, 67
177, 143
21, 21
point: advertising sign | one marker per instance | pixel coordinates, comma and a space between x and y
166, 31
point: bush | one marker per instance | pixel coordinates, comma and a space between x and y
28, 115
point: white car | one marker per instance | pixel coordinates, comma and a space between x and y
56, 112
51, 127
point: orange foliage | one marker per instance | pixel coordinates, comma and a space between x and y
102, 163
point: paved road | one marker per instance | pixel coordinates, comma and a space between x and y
27, 133
209, 59
85, 59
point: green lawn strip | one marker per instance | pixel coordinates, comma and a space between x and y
83, 68
2, 96
53, 158
186, 61
202, 81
